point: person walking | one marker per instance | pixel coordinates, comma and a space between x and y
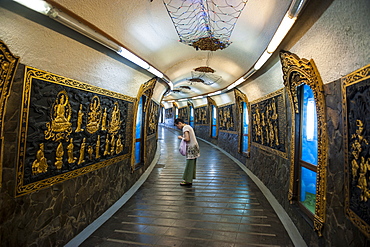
192, 151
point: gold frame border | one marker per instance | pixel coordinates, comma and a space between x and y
263, 147
239, 98
29, 74
348, 80
146, 89
211, 102
5, 89
307, 73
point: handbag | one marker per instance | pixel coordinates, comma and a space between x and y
182, 148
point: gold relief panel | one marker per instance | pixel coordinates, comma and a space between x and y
356, 112
201, 115
226, 118
296, 72
268, 130
68, 128
184, 114
153, 119
8, 67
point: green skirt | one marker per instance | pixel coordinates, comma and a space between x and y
190, 169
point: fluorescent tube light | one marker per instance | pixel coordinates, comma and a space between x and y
231, 86
36, 5
280, 33
198, 97
214, 93
83, 29
155, 72
261, 61
133, 58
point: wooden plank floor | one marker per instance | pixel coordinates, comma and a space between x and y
223, 207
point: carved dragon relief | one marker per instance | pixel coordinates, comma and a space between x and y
296, 72
8, 67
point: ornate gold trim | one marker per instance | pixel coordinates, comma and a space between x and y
239, 98
298, 71
30, 74
268, 96
263, 147
8, 67
146, 89
211, 102
200, 106
348, 80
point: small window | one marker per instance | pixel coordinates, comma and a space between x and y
191, 116
214, 122
245, 134
139, 132
308, 149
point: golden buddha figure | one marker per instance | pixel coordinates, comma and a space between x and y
79, 120
119, 145
112, 143
104, 120
82, 152
39, 165
90, 151
70, 147
61, 114
94, 115
106, 150
115, 120
97, 148
59, 156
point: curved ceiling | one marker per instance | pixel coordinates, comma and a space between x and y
146, 29
152, 35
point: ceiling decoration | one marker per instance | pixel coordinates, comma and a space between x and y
181, 89
205, 24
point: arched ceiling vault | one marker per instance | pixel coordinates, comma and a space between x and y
146, 29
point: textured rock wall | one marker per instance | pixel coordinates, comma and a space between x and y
54, 215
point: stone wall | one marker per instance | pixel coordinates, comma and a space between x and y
273, 171
54, 215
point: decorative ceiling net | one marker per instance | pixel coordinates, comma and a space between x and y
205, 24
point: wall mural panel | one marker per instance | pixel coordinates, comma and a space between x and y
8, 67
69, 128
201, 115
183, 114
269, 123
168, 113
226, 118
153, 118
356, 92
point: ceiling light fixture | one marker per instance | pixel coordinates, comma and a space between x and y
214, 93
204, 24
45, 8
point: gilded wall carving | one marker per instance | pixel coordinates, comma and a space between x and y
296, 72
153, 118
269, 123
168, 113
239, 99
184, 114
356, 95
8, 67
145, 92
226, 118
201, 115
68, 128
